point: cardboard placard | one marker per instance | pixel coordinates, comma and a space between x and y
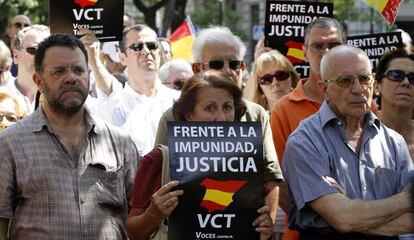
220, 168
103, 17
375, 45
285, 24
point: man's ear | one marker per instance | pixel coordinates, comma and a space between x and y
37, 80
196, 68
122, 58
15, 56
305, 55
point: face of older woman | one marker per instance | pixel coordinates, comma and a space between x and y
213, 104
275, 81
396, 88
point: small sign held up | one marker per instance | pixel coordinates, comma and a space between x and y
103, 17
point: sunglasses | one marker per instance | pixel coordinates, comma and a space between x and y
219, 64
20, 25
399, 76
31, 50
279, 75
136, 47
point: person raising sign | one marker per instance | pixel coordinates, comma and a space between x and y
208, 97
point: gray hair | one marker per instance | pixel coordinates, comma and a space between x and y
341, 49
166, 68
216, 35
325, 22
37, 28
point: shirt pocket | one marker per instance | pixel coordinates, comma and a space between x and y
109, 186
385, 182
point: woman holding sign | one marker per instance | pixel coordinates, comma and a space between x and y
395, 85
209, 97
273, 76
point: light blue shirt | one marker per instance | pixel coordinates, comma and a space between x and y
319, 147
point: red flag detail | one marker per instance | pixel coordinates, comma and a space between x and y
390, 11
86, 3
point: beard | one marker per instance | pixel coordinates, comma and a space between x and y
66, 107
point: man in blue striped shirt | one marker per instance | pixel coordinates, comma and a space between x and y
346, 171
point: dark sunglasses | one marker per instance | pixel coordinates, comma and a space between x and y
20, 25
136, 47
219, 64
399, 76
31, 50
178, 84
279, 75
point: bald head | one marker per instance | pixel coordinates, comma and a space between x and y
336, 54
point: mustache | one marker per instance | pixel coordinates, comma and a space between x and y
71, 87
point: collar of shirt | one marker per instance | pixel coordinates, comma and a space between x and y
326, 115
40, 121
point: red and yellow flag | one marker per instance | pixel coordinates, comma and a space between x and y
219, 194
295, 52
182, 40
387, 8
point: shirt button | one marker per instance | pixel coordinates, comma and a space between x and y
363, 162
339, 123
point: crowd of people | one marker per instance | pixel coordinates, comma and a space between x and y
84, 132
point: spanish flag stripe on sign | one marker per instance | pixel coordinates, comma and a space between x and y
296, 53
224, 186
212, 206
222, 198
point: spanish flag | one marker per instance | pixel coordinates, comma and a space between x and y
182, 40
295, 52
219, 194
387, 8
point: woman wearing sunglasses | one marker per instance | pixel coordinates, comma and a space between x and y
211, 97
273, 76
395, 85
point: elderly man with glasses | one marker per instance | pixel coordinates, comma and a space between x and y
25, 46
138, 107
346, 170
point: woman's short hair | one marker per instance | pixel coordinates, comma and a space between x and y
20, 109
253, 90
5, 57
385, 60
211, 79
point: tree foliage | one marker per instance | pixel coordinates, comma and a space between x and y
209, 14
37, 10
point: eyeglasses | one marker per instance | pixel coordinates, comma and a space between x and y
136, 47
319, 47
345, 82
219, 64
59, 72
9, 116
279, 75
31, 50
177, 84
399, 76
20, 25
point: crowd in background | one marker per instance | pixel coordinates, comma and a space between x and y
88, 112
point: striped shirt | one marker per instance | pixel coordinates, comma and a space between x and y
49, 195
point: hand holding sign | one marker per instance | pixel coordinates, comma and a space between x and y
164, 201
264, 223
91, 43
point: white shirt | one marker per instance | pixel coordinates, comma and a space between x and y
25, 101
138, 114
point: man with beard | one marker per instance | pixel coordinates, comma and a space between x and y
63, 173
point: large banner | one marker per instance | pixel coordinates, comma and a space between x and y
285, 24
103, 17
375, 45
220, 168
